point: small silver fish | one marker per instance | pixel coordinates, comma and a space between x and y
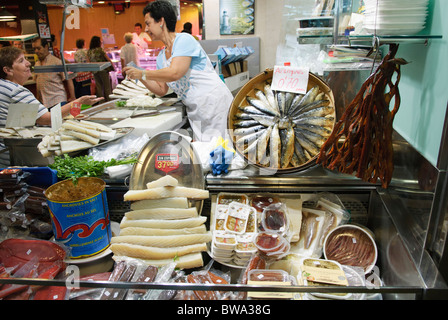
319, 121
298, 150
288, 138
295, 103
323, 131
316, 112
317, 139
260, 105
281, 101
274, 147
250, 109
310, 96
245, 123
246, 131
271, 97
263, 143
289, 97
248, 139
308, 107
265, 119
242, 116
307, 144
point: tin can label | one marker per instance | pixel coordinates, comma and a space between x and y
82, 225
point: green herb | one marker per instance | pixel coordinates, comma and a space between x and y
84, 166
120, 103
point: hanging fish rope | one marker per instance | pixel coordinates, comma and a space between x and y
361, 141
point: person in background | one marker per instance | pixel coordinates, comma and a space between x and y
83, 80
141, 39
4, 44
128, 52
56, 51
96, 53
14, 72
50, 86
18, 44
188, 27
184, 66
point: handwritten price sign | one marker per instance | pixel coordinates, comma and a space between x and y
290, 79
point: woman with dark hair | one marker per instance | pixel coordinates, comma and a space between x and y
184, 67
83, 80
102, 80
14, 72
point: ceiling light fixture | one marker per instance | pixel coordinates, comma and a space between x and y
6, 16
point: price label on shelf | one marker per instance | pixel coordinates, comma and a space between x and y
290, 79
167, 162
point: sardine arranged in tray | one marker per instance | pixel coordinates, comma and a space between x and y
281, 130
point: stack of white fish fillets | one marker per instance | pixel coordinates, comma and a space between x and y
131, 88
73, 136
161, 226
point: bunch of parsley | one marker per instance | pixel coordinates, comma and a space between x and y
84, 166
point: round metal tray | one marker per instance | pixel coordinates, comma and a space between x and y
188, 173
248, 89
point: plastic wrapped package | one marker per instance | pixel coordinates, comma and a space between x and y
323, 213
310, 233
270, 277
208, 275
275, 218
164, 275
32, 258
120, 149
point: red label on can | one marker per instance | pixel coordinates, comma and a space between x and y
167, 162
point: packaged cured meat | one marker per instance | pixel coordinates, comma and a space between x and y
320, 272
269, 277
221, 213
272, 245
17, 252
275, 218
237, 217
310, 233
227, 198
259, 202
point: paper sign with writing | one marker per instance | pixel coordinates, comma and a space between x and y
56, 117
21, 115
290, 79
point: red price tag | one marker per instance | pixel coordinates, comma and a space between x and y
75, 109
167, 162
290, 79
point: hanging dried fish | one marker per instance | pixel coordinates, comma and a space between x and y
366, 126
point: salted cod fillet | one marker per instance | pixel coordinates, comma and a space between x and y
164, 241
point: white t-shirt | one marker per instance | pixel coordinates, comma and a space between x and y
139, 41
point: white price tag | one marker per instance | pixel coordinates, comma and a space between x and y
290, 79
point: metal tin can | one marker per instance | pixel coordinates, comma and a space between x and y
80, 215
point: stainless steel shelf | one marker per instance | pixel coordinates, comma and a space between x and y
73, 67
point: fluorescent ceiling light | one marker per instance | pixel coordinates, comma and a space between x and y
6, 15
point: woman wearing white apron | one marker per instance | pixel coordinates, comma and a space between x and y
184, 67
